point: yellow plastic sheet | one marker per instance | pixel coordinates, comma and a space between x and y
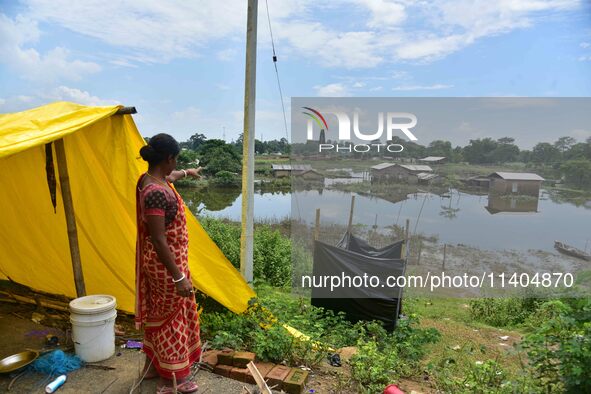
102, 155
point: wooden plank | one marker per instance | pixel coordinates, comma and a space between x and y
62, 165
258, 378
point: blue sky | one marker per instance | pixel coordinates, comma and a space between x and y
182, 63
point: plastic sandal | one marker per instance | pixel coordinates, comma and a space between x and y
187, 387
164, 390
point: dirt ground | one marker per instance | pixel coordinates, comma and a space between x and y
19, 333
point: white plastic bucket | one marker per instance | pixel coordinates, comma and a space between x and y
93, 326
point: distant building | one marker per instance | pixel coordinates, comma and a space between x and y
433, 160
398, 172
428, 178
477, 181
284, 170
310, 175
515, 183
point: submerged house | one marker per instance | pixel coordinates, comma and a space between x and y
310, 174
477, 181
399, 172
515, 183
284, 170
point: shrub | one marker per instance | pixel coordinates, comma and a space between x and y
226, 178
559, 350
503, 312
272, 251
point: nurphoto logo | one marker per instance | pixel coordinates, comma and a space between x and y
395, 122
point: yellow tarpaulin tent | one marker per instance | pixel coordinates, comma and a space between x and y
102, 158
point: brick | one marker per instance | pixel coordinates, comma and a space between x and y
223, 370
210, 357
242, 358
277, 375
295, 381
263, 368
239, 374
225, 357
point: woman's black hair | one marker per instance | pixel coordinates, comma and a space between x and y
159, 148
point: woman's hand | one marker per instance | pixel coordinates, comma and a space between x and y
194, 172
184, 288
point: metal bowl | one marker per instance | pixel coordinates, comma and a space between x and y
17, 361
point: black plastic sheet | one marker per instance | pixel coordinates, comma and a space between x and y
354, 257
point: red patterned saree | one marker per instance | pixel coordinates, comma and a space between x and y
171, 323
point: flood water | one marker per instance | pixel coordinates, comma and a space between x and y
457, 218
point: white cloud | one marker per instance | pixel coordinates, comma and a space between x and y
61, 93
388, 30
332, 90
359, 85
584, 45
123, 63
17, 34
64, 93
159, 31
227, 54
384, 14
437, 86
584, 58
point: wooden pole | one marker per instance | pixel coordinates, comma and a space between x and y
420, 250
407, 239
317, 225
444, 254
62, 166
247, 234
350, 226
126, 111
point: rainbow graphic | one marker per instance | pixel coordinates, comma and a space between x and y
316, 115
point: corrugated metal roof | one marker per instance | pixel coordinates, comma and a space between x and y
426, 176
290, 167
415, 167
432, 158
381, 166
517, 176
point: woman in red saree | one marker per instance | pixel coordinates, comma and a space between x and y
165, 301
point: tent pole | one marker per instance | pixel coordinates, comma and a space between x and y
350, 226
248, 140
62, 167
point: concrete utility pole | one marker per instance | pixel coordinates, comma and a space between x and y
247, 234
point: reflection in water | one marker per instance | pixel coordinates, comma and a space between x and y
454, 218
450, 212
209, 198
497, 204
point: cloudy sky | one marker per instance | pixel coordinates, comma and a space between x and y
181, 63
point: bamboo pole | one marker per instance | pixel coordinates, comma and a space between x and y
350, 226
62, 166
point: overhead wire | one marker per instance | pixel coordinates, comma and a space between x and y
294, 195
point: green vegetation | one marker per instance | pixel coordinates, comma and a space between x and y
449, 345
272, 256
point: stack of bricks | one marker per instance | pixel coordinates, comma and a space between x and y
278, 377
